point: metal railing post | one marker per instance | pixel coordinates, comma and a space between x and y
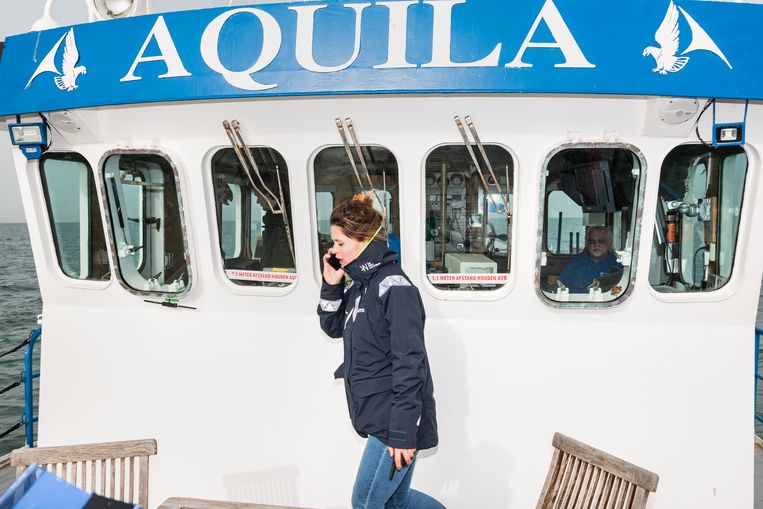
29, 376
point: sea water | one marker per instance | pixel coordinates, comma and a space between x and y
20, 304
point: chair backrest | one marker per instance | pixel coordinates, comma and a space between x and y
117, 470
582, 477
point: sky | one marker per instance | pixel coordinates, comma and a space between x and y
17, 16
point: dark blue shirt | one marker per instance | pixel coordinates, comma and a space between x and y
582, 270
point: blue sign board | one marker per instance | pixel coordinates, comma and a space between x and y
658, 47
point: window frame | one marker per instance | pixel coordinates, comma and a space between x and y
636, 234
734, 283
313, 190
116, 269
215, 250
516, 202
51, 236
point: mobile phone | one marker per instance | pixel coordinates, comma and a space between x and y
334, 262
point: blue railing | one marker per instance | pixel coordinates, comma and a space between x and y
758, 376
27, 378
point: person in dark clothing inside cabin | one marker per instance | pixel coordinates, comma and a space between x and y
596, 261
388, 384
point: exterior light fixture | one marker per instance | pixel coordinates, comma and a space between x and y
46, 22
30, 138
113, 9
730, 133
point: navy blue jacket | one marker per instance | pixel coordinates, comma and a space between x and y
381, 317
582, 270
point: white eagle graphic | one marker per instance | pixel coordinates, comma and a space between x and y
667, 36
66, 78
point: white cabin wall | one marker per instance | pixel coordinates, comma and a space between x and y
239, 394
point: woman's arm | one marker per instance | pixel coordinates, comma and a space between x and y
405, 319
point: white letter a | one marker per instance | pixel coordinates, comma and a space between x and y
167, 53
573, 57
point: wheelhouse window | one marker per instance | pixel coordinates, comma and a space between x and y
336, 182
145, 213
254, 232
591, 198
697, 218
467, 225
75, 216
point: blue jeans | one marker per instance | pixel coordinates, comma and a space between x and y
374, 490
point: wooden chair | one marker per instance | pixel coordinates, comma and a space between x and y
117, 470
582, 477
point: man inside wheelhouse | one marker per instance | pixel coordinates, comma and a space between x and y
591, 199
596, 266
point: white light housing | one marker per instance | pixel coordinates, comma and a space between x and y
31, 138
46, 22
23, 134
113, 9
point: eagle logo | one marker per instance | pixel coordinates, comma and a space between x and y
66, 78
667, 36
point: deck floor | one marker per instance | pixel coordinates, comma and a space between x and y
7, 475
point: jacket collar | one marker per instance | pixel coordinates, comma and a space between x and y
375, 256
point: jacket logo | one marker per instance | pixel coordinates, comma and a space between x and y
667, 37
66, 78
354, 312
365, 267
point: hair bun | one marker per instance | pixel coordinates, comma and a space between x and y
363, 198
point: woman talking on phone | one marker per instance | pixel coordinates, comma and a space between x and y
389, 387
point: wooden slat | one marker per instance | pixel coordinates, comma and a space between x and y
601, 500
608, 494
570, 483
102, 489
627, 495
551, 477
112, 476
84, 452
613, 464
580, 484
639, 499
563, 480
131, 462
122, 479
192, 503
594, 483
614, 493
143, 489
564, 465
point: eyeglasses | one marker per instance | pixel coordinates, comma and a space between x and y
600, 240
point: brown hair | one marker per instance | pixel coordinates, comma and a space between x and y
357, 218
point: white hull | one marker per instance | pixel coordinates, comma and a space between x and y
239, 393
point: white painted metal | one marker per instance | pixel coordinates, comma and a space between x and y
239, 394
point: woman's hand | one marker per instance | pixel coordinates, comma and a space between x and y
331, 275
400, 455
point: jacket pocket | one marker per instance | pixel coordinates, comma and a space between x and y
371, 386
